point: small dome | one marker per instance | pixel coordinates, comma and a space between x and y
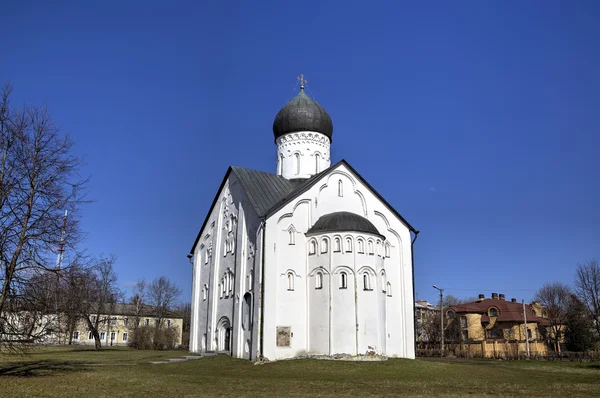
302, 114
343, 221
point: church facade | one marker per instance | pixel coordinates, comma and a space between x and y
307, 260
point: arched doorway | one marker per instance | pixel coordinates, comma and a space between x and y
223, 337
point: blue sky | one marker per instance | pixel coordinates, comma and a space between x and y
478, 121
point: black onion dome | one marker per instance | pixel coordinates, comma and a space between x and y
302, 114
343, 221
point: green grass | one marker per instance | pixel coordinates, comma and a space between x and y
66, 372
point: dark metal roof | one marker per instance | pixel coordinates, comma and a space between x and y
302, 114
264, 190
343, 221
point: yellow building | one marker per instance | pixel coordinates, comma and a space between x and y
494, 327
115, 329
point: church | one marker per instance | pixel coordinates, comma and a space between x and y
309, 260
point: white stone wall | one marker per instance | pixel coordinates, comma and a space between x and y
385, 320
302, 154
224, 265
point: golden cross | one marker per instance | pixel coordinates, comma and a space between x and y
302, 81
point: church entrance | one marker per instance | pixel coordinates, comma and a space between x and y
223, 337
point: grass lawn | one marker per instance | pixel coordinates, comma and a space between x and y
65, 371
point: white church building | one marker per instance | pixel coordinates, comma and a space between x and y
307, 260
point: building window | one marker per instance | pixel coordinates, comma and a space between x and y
494, 333
464, 335
366, 282
249, 279
463, 321
340, 188
387, 250
113, 321
90, 335
230, 282
290, 278
292, 236
102, 335
370, 246
246, 311
147, 322
343, 280
493, 311
360, 246
206, 257
338, 245
379, 248
388, 289
324, 246
297, 163
124, 336
168, 323
383, 282
348, 245
529, 334
312, 247
450, 314
319, 281
317, 162
204, 292
125, 321
75, 335
112, 335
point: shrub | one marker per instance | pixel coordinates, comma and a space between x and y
152, 338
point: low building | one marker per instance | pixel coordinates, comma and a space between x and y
493, 327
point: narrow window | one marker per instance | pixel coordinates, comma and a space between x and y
344, 280
463, 321
90, 335
290, 278
379, 248
102, 335
317, 162
125, 321
319, 281
297, 163
338, 245
340, 188
388, 289
280, 165
493, 311
147, 322
360, 246
383, 282
348, 245
112, 335
168, 323
387, 250
366, 282
125, 336
370, 246
75, 335
312, 247
250, 280
204, 292
324, 246
206, 257
292, 237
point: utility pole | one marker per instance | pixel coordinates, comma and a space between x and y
526, 330
441, 316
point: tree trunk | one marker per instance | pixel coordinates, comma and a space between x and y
97, 341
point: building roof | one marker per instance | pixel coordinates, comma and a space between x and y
343, 221
507, 311
302, 113
146, 310
269, 192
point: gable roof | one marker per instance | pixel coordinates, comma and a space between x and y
269, 192
507, 310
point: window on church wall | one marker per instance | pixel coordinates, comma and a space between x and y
290, 279
324, 246
366, 281
370, 246
388, 289
249, 280
280, 165
383, 282
247, 312
337, 245
340, 188
204, 292
317, 162
312, 247
343, 280
348, 245
360, 246
292, 236
230, 281
379, 248
387, 250
296, 163
319, 280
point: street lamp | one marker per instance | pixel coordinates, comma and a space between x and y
441, 316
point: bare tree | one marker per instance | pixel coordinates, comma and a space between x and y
587, 287
39, 180
555, 298
96, 291
138, 300
163, 295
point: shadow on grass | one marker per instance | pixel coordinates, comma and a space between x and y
40, 368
